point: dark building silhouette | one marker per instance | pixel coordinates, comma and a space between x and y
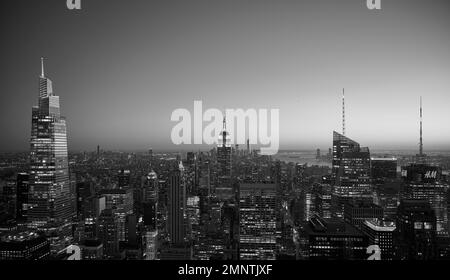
357, 211
383, 169
107, 233
416, 230
25, 245
176, 207
331, 239
23, 188
92, 249
124, 179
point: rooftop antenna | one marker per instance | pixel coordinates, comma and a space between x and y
343, 111
224, 123
421, 140
42, 67
224, 133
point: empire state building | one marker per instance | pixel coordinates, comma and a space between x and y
49, 195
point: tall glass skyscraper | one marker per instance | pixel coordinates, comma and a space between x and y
49, 194
351, 172
257, 221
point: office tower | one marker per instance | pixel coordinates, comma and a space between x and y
9, 196
257, 221
150, 244
98, 150
190, 158
436, 195
121, 202
387, 195
331, 239
49, 195
193, 215
383, 169
149, 214
297, 207
286, 247
27, 245
421, 173
85, 192
323, 200
310, 204
150, 187
150, 206
124, 179
318, 155
299, 176
176, 207
131, 235
423, 181
212, 237
381, 233
23, 186
107, 233
356, 212
443, 247
224, 188
416, 230
350, 172
230, 226
90, 228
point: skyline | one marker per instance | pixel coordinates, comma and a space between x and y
263, 50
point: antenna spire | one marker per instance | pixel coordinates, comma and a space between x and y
421, 119
224, 132
42, 67
343, 111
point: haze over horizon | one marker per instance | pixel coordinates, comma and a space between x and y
121, 68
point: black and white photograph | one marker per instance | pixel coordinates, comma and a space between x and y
227, 136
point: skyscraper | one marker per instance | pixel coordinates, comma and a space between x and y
331, 239
424, 181
176, 207
49, 193
350, 171
22, 196
257, 216
416, 230
381, 233
121, 203
224, 188
108, 233
124, 179
224, 153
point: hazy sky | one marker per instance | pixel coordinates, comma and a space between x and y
122, 67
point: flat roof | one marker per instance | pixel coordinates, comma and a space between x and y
379, 226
